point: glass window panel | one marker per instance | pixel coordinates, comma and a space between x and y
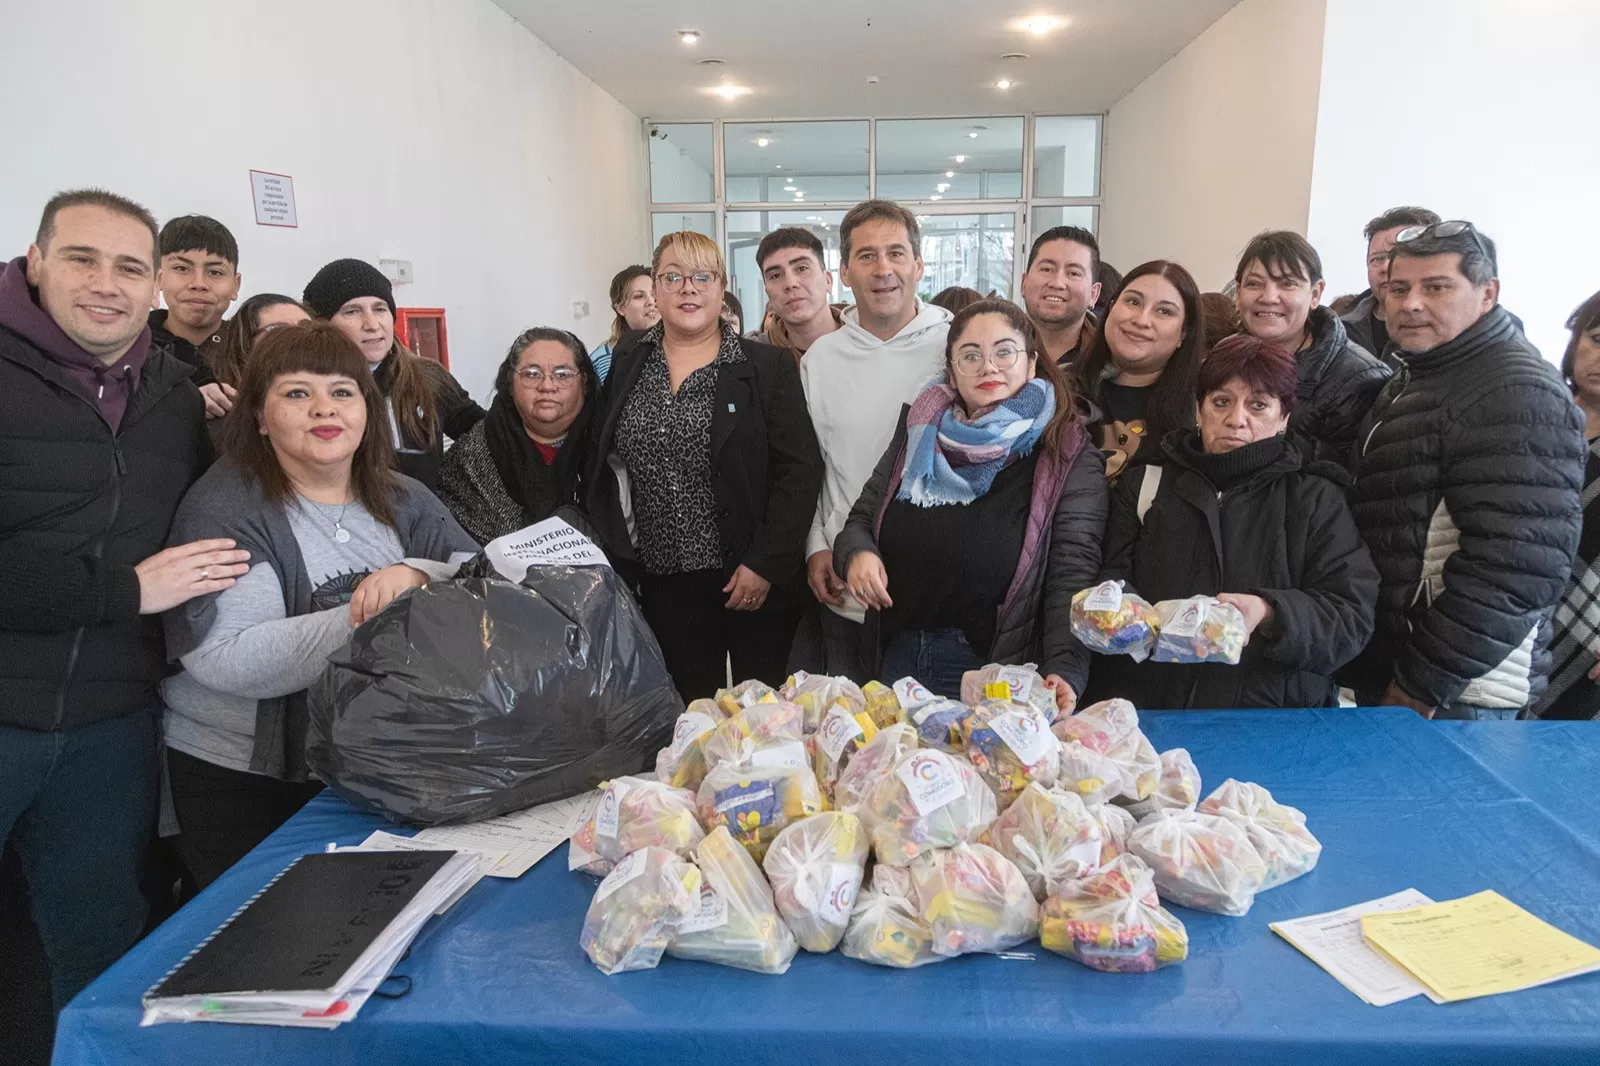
821, 160
1082, 215
745, 230
1066, 155
916, 156
681, 163
665, 222
977, 251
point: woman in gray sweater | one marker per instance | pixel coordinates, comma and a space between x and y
306, 486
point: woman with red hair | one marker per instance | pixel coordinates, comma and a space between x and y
1237, 511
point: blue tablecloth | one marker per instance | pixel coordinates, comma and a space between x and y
1397, 802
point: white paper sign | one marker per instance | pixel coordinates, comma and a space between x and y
838, 730
608, 818
911, 693
1186, 622
552, 542
691, 726
274, 197
711, 914
931, 781
1024, 733
1020, 678
1105, 597
631, 866
790, 755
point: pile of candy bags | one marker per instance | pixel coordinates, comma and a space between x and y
903, 829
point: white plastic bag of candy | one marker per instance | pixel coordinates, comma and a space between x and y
744, 694
816, 693
634, 812
871, 764
1204, 861
1104, 755
637, 909
765, 734
1116, 826
1010, 744
736, 923
1112, 921
815, 867
1177, 790
929, 800
1200, 629
755, 803
886, 926
974, 899
682, 763
883, 704
1050, 836
1022, 681
938, 720
1112, 622
1277, 831
836, 743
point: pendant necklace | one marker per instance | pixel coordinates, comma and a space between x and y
341, 535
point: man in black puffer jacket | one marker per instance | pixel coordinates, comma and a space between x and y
1467, 491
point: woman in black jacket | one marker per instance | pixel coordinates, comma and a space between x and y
705, 479
1240, 513
425, 403
982, 518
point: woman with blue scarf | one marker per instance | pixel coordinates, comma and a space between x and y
983, 517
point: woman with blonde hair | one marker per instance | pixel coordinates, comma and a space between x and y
705, 478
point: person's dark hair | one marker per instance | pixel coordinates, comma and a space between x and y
1110, 280
310, 348
786, 237
1172, 403
1075, 234
1219, 317
730, 302
956, 298
1584, 319
108, 201
878, 211
1043, 366
238, 335
189, 232
1400, 216
1262, 366
619, 291
1282, 254
1479, 262
508, 366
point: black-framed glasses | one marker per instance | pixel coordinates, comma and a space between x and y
1454, 228
970, 364
673, 281
562, 377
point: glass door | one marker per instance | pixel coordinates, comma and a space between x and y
971, 247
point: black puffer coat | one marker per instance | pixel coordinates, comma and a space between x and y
1339, 380
1279, 529
1467, 492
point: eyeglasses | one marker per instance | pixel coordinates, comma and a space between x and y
970, 364
1445, 229
673, 281
562, 377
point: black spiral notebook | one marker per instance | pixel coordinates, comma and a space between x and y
307, 928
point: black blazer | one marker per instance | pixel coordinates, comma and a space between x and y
766, 468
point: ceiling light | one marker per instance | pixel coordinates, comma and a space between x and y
942, 186
1016, 57
788, 188
1003, 83
777, 166
689, 36
1038, 25
949, 173
973, 135
728, 92
762, 142
961, 159
936, 196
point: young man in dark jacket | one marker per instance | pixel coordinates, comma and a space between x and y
100, 436
199, 280
1467, 490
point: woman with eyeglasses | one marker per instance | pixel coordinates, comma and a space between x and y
522, 462
705, 478
983, 517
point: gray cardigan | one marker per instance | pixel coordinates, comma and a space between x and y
224, 503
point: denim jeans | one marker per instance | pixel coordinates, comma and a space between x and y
79, 806
1469, 713
935, 657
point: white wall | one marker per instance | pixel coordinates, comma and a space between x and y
1486, 116
1216, 145
438, 131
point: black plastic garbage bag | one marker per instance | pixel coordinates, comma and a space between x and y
476, 697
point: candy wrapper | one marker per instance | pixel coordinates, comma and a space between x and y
744, 695
1177, 790
1200, 629
1105, 756
736, 923
883, 704
1010, 744
928, 800
1113, 921
834, 745
1112, 622
1116, 826
767, 733
937, 719
682, 764
756, 803
1204, 861
815, 867
1278, 832
633, 813
816, 693
886, 927
1024, 682
871, 764
637, 909
974, 899
1050, 836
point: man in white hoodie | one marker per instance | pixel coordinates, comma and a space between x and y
856, 380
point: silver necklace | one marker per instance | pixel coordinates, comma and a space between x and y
341, 535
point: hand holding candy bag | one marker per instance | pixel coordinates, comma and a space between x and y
974, 899
886, 927
1112, 921
1277, 831
929, 800
738, 925
637, 909
1050, 837
815, 867
1200, 629
1202, 861
1111, 622
634, 812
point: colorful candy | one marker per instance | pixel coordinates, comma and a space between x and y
1200, 629
1023, 685
1177, 790
817, 693
1104, 755
1116, 826
637, 909
1050, 836
1010, 744
1277, 831
871, 764
1109, 621
736, 923
886, 927
974, 899
634, 812
928, 800
816, 866
833, 746
1113, 921
755, 803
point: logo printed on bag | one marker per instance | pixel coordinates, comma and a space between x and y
931, 781
838, 730
608, 818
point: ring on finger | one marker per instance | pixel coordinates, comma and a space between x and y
205, 575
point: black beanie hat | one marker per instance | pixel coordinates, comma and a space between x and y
344, 280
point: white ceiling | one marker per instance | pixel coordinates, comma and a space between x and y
812, 59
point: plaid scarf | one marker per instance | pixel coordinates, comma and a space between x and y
953, 458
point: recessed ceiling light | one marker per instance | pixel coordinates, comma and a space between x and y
777, 166
689, 36
961, 159
973, 134
949, 173
936, 196
762, 142
728, 92
1003, 83
788, 188
1038, 25
942, 186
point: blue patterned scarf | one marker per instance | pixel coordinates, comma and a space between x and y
951, 458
